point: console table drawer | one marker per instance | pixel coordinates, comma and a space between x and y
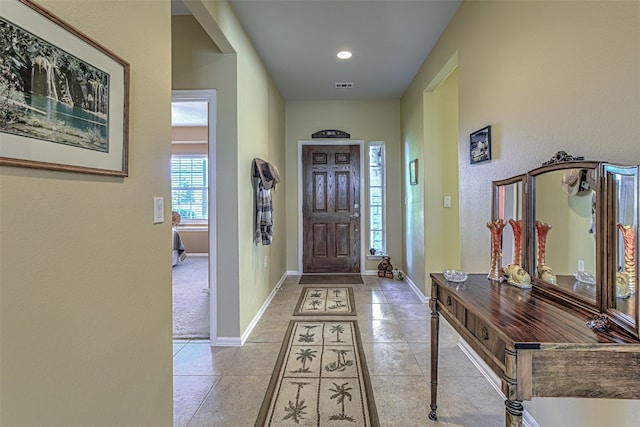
487, 336
451, 305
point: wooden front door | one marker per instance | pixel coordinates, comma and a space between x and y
330, 208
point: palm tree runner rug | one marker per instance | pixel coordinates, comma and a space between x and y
329, 301
330, 279
320, 378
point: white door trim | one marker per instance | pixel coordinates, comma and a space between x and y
210, 97
364, 209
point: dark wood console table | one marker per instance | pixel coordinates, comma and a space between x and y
537, 347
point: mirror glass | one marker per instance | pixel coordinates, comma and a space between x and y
507, 205
564, 228
623, 185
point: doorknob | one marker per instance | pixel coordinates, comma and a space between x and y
355, 215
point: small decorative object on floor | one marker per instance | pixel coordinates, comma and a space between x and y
399, 275
495, 272
385, 269
516, 276
599, 323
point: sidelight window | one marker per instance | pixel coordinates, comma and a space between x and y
377, 232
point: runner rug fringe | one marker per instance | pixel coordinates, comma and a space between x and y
320, 378
326, 301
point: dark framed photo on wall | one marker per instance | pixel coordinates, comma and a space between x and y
480, 147
413, 172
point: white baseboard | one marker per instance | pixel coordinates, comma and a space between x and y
494, 380
260, 312
226, 342
239, 341
415, 289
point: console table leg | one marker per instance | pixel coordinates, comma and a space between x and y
513, 413
435, 329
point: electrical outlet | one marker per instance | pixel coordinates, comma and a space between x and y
266, 261
580, 265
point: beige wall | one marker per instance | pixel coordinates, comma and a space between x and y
250, 123
194, 239
364, 120
85, 294
190, 135
431, 231
547, 76
441, 176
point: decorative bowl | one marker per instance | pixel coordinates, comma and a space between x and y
455, 275
584, 277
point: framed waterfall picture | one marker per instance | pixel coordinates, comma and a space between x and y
64, 99
480, 149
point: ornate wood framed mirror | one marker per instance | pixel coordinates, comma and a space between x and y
621, 225
564, 220
579, 242
509, 206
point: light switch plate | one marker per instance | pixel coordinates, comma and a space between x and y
158, 210
447, 201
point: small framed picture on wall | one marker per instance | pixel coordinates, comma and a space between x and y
480, 148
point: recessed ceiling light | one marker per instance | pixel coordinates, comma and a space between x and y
345, 54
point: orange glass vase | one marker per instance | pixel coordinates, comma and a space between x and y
495, 271
517, 241
542, 229
629, 239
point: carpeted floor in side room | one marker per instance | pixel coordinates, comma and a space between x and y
191, 299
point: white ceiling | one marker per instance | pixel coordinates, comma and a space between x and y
189, 113
298, 41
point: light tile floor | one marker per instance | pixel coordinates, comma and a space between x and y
225, 386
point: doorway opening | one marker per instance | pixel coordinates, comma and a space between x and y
193, 211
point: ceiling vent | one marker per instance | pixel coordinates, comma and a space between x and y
347, 85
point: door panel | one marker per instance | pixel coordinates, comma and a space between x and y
331, 215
